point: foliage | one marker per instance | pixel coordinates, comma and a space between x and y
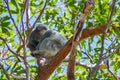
63, 16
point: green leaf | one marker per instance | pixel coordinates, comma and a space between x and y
31, 61
6, 18
21, 5
5, 24
6, 31
14, 11
14, 3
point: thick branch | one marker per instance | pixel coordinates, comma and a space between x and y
76, 37
45, 71
71, 64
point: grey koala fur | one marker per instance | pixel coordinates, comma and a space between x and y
50, 43
46, 42
36, 35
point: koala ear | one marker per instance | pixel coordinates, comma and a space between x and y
41, 26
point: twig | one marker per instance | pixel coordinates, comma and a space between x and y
27, 3
6, 1
87, 66
24, 38
91, 60
116, 49
17, 55
108, 67
27, 14
22, 21
19, 48
102, 46
4, 71
40, 13
107, 26
14, 66
109, 50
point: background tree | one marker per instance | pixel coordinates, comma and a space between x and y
98, 53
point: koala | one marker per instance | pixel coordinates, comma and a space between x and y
45, 43
51, 42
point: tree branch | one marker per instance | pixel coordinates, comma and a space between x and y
45, 71
110, 70
102, 45
75, 41
6, 1
87, 66
17, 55
4, 71
27, 14
26, 7
40, 13
106, 29
88, 56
